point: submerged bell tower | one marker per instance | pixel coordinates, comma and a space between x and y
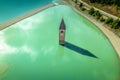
62, 30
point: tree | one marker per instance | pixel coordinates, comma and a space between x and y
75, 1
91, 11
81, 4
115, 23
92, 1
107, 2
109, 20
97, 14
102, 19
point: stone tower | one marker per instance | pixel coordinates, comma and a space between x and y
62, 33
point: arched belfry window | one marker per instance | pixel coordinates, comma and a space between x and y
61, 31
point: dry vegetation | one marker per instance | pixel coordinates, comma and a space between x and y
112, 9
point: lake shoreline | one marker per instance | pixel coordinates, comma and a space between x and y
114, 39
24, 16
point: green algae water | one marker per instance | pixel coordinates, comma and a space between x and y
30, 50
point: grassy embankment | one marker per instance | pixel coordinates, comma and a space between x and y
112, 9
110, 22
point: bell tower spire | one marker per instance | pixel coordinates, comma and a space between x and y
62, 30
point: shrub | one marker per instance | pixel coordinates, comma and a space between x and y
118, 7
97, 13
83, 9
115, 24
109, 20
97, 17
81, 4
91, 11
75, 1
92, 1
102, 19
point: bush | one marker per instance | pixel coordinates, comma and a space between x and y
92, 1
109, 20
102, 19
91, 11
81, 4
83, 9
115, 24
75, 1
118, 7
97, 17
97, 14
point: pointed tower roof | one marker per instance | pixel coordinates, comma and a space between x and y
62, 25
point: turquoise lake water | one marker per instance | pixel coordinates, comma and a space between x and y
30, 50
12, 8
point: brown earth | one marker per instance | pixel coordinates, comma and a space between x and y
112, 9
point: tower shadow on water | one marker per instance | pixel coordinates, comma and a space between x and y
78, 49
71, 46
